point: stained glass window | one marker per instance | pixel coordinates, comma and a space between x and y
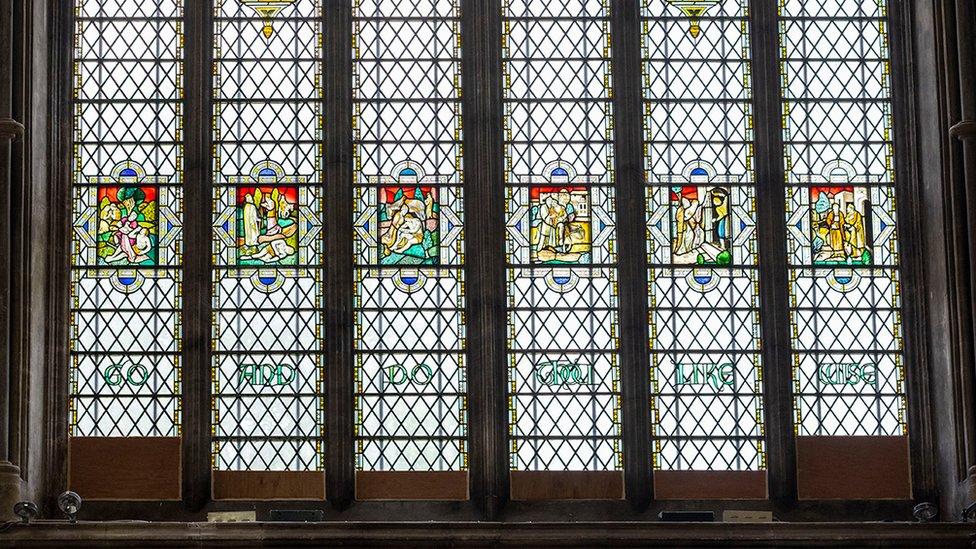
845, 284
706, 377
408, 329
410, 379
561, 243
126, 278
268, 371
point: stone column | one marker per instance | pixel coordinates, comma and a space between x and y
10, 130
964, 130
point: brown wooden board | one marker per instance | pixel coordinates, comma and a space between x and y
853, 468
710, 485
302, 485
125, 468
547, 485
411, 485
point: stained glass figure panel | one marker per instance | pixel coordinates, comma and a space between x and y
845, 286
706, 372
268, 370
127, 212
411, 384
564, 405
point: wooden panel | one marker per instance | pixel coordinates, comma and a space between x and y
545, 485
853, 468
710, 485
125, 468
302, 485
411, 485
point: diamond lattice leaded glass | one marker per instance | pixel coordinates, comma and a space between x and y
411, 407
706, 377
845, 285
561, 245
126, 277
268, 371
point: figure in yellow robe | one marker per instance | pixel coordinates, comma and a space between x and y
835, 232
854, 232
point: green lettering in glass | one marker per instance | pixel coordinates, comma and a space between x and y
269, 375
715, 376
245, 373
834, 373
113, 375
869, 374
398, 374
135, 374
554, 374
421, 369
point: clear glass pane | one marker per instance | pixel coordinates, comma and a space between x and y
127, 216
564, 404
842, 244
706, 372
268, 371
411, 381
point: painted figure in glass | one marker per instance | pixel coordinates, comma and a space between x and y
267, 225
840, 221
127, 225
409, 226
701, 225
560, 224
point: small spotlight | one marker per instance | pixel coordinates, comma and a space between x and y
69, 503
925, 512
26, 510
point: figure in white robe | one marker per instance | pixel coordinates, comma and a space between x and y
553, 217
252, 222
694, 234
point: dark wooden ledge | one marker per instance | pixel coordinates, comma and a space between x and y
521, 534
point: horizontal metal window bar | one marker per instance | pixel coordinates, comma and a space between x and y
380, 19
405, 60
126, 352
568, 351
